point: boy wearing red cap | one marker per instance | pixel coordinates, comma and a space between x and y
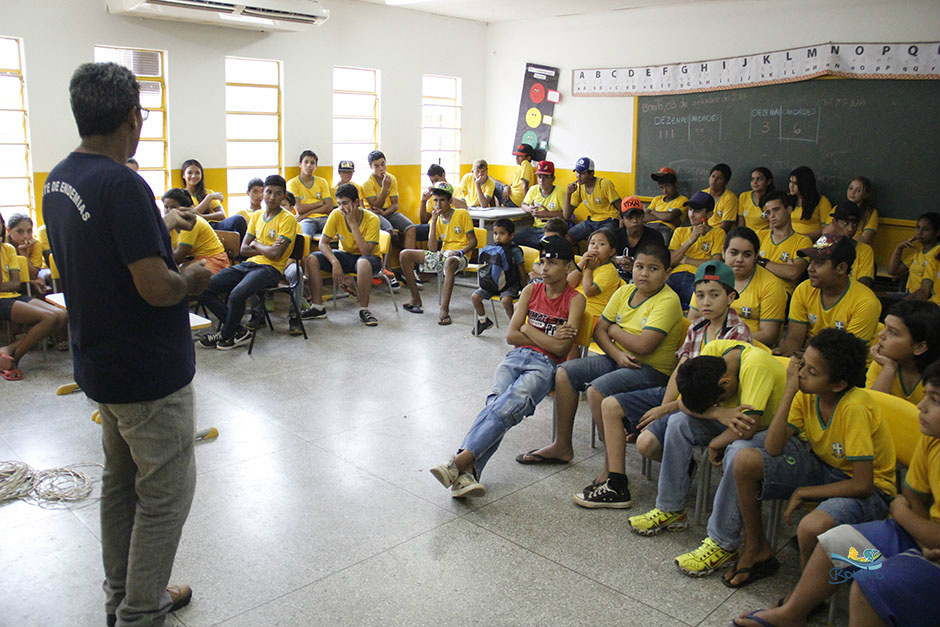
664, 212
523, 178
543, 202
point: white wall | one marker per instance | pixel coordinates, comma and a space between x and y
60, 34
602, 127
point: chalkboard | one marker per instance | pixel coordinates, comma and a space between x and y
886, 130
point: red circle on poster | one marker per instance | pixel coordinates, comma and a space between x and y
537, 93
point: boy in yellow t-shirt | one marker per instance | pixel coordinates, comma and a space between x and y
255, 198
599, 196
543, 202
691, 246
312, 197
845, 221
381, 192
267, 245
726, 202
828, 443
664, 213
779, 243
830, 298
523, 177
476, 188
200, 243
345, 170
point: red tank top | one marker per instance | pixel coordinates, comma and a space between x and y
547, 314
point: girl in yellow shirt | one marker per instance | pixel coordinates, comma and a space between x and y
908, 343
596, 276
859, 192
208, 203
750, 213
812, 208
20, 236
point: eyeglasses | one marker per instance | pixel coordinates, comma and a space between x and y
144, 113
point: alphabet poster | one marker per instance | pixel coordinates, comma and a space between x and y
539, 95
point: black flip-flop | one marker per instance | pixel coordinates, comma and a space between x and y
757, 619
413, 308
535, 458
759, 570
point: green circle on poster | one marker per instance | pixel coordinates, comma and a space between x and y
533, 117
529, 137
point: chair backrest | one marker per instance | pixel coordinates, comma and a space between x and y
586, 329
385, 241
232, 242
301, 247
903, 421
24, 272
481, 237
531, 257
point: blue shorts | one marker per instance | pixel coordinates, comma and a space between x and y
422, 232
635, 404
602, 373
347, 261
798, 466
583, 230
899, 588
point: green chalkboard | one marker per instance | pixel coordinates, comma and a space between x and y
886, 130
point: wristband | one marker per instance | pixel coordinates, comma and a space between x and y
762, 262
460, 253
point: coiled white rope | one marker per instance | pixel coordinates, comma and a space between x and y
44, 487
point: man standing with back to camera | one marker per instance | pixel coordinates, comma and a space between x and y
131, 342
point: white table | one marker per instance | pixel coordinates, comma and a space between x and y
195, 322
491, 214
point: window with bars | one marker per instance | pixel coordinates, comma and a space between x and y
16, 173
355, 116
149, 66
440, 126
252, 123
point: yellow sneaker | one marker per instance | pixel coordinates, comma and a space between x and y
656, 521
704, 560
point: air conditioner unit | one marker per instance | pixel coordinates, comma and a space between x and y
268, 15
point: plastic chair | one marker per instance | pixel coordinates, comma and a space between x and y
531, 257
300, 250
471, 267
232, 244
385, 240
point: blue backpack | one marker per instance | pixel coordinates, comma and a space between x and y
496, 269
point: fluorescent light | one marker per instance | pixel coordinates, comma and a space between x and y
396, 3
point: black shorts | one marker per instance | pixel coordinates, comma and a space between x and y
6, 305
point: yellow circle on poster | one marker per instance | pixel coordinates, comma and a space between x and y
533, 117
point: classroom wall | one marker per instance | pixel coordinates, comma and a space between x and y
602, 127
60, 34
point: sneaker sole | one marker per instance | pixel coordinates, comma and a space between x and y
474, 491
441, 475
655, 531
210, 346
580, 500
314, 317
245, 340
704, 572
371, 323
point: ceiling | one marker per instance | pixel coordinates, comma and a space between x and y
507, 10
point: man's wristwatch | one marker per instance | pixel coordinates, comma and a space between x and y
762, 262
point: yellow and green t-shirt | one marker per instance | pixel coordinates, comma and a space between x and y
864, 265
371, 189
467, 190
764, 299
897, 384
856, 311
268, 231
319, 190
783, 251
337, 228
706, 246
753, 216
917, 259
815, 221
659, 203
362, 196
454, 233
607, 280
660, 312
923, 475
762, 378
726, 208
599, 203
214, 206
202, 239
8, 263
524, 172
856, 432
555, 201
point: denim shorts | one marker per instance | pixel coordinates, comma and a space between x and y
422, 232
509, 290
798, 466
635, 404
347, 261
603, 373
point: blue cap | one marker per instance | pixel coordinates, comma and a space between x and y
584, 164
701, 200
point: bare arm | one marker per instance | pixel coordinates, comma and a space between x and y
14, 283
471, 244
787, 271
910, 511
895, 267
181, 252
309, 209
643, 344
768, 332
204, 208
161, 287
560, 343
793, 342
273, 251
515, 336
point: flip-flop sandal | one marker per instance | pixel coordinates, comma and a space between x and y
757, 619
413, 308
13, 374
758, 571
533, 458
444, 321
6, 361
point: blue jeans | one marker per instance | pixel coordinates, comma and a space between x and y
146, 491
240, 283
312, 226
520, 382
683, 284
529, 236
583, 230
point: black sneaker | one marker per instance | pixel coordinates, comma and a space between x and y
315, 311
295, 328
241, 337
480, 327
367, 318
418, 281
256, 321
603, 496
210, 340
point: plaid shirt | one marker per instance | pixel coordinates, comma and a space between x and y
733, 329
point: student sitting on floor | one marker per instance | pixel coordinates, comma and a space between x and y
639, 332
623, 414
454, 228
542, 329
728, 393
894, 564
908, 343
358, 233
200, 243
828, 443
267, 245
43, 319
503, 234
596, 276
691, 246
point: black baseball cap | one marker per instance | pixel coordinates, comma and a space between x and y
556, 247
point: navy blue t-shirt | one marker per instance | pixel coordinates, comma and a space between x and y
100, 217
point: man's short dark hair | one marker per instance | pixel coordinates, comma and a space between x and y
932, 375
788, 200
101, 95
291, 199
655, 249
556, 225
347, 190
697, 382
275, 180
436, 170
375, 155
255, 182
505, 223
181, 196
844, 354
308, 153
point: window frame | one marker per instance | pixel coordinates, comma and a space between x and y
455, 103
20, 73
375, 118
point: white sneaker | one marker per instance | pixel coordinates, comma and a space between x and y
466, 485
446, 473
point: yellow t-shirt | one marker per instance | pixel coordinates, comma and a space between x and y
44, 245
599, 202
864, 265
726, 208
762, 378
856, 432
336, 228
706, 246
319, 190
661, 312
782, 252
524, 172
753, 216
607, 280
897, 385
555, 201
923, 475
362, 196
8, 262
214, 206
467, 190
372, 188
268, 231
764, 298
870, 225
916, 259
856, 311
201, 238
247, 213
659, 203
814, 223
454, 232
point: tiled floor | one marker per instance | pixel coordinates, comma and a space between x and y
315, 505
